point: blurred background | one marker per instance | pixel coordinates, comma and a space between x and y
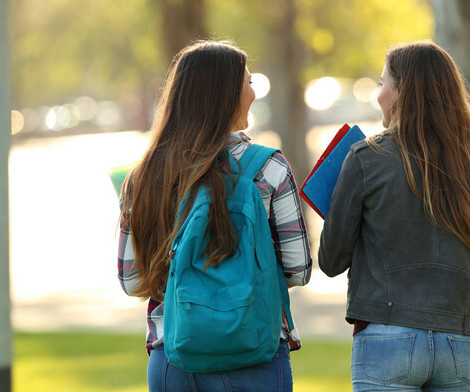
86, 76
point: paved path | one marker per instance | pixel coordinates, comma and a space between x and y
111, 310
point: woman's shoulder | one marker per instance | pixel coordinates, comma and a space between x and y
279, 160
376, 144
276, 171
378, 153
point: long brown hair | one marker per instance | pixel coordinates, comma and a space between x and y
432, 119
198, 109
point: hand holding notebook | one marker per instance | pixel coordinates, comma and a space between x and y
318, 186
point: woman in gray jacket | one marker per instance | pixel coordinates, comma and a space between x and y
399, 220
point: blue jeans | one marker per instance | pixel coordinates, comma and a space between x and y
391, 358
272, 376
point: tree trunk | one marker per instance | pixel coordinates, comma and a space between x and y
452, 31
5, 131
183, 21
287, 56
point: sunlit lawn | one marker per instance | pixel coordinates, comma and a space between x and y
98, 362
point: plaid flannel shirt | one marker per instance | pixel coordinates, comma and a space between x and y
278, 190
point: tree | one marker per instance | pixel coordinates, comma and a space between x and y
352, 40
183, 21
287, 61
106, 49
452, 18
119, 49
295, 41
5, 126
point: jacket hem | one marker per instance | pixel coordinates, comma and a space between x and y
411, 317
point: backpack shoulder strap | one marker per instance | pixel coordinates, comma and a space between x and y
251, 162
285, 296
254, 158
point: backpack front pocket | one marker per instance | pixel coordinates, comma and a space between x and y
203, 315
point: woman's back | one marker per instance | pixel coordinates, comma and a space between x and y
405, 270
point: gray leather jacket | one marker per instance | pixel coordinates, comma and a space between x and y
403, 270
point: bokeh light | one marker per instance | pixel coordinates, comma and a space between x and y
31, 119
320, 94
56, 118
323, 41
108, 116
43, 113
17, 122
364, 89
374, 102
260, 84
74, 115
251, 121
262, 112
87, 107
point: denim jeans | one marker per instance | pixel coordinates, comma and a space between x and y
392, 358
272, 376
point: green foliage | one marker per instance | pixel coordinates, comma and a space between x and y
66, 48
343, 39
241, 21
112, 49
99, 362
350, 39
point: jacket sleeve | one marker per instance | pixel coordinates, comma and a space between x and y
128, 273
342, 222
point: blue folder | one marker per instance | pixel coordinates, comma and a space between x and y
319, 186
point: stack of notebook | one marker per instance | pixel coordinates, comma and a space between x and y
318, 187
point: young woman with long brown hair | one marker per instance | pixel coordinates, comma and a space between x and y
205, 102
399, 220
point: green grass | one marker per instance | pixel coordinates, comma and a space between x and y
106, 362
322, 366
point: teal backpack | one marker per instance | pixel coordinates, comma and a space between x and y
224, 318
